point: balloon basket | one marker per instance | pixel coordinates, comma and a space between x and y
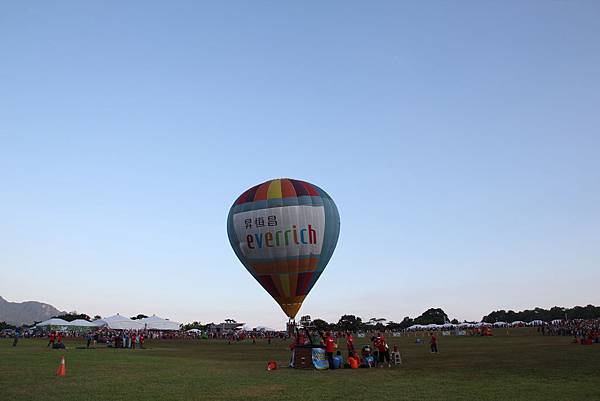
303, 356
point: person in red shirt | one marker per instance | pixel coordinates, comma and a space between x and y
141, 341
329, 348
51, 341
59, 339
133, 341
350, 344
383, 351
433, 343
301, 338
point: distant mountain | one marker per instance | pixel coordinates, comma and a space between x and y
19, 313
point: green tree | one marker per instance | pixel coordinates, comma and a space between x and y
193, 325
4, 325
432, 316
321, 324
349, 323
69, 317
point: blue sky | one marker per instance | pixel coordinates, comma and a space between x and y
459, 140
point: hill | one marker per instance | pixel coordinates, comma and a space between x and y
28, 312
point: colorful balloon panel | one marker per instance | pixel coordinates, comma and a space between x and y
284, 232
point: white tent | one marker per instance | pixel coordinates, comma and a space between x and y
157, 323
264, 328
83, 323
119, 322
517, 323
500, 324
53, 322
535, 323
195, 331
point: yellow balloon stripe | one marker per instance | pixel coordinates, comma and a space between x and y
285, 284
274, 190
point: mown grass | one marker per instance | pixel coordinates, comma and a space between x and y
522, 366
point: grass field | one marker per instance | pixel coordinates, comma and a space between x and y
522, 366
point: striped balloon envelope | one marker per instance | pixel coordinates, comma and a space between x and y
284, 232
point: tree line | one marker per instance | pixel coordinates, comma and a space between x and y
431, 316
547, 315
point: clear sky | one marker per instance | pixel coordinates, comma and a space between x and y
460, 141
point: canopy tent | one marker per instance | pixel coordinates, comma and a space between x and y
84, 323
196, 331
53, 322
500, 324
535, 323
157, 323
518, 323
118, 322
264, 328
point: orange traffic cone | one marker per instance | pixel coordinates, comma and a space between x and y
62, 371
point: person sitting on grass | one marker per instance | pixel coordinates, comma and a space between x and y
368, 361
338, 361
353, 362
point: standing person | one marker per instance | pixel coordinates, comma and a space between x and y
142, 341
329, 348
52, 337
350, 344
59, 338
17, 335
133, 340
375, 349
433, 342
383, 351
89, 339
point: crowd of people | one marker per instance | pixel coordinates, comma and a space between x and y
109, 337
583, 331
374, 354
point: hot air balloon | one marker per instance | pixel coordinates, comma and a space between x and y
284, 232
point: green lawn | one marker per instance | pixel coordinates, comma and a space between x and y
520, 366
